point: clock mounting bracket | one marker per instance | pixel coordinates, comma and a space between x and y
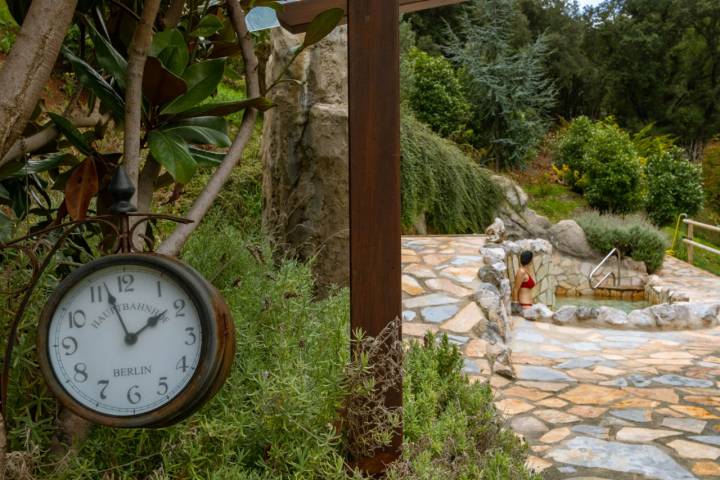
123, 224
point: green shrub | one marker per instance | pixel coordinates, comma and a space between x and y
649, 144
452, 430
674, 186
570, 149
632, 235
275, 418
711, 175
436, 96
438, 180
613, 174
600, 160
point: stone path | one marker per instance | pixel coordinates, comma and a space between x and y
593, 404
698, 285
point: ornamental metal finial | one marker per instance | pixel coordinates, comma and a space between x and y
121, 189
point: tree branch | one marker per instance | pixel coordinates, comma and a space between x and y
45, 136
137, 57
174, 243
173, 14
27, 68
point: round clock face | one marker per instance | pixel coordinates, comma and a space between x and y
125, 339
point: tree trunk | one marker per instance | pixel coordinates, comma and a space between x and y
28, 66
138, 51
174, 243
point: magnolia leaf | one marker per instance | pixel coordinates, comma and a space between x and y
109, 59
81, 188
321, 26
172, 152
208, 26
4, 194
160, 85
37, 165
202, 130
205, 158
92, 80
74, 136
170, 48
222, 109
202, 80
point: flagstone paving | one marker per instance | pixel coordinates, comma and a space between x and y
592, 403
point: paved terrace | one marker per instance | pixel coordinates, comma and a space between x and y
593, 404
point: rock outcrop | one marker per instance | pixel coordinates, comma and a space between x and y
569, 238
520, 221
305, 155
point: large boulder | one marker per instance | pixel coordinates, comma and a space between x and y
520, 221
305, 155
568, 237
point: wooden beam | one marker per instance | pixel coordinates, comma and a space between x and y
296, 16
374, 143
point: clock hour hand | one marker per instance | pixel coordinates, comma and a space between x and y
152, 321
130, 338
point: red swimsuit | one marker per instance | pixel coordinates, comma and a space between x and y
529, 284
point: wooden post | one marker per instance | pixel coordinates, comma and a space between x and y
690, 248
374, 116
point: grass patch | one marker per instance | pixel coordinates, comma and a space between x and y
554, 201
706, 260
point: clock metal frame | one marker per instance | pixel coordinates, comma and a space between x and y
217, 347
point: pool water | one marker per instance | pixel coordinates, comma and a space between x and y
624, 305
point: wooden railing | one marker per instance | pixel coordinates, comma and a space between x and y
690, 239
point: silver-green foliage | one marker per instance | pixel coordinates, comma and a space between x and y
454, 193
507, 85
452, 429
634, 236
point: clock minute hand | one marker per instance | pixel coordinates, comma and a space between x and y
152, 321
130, 338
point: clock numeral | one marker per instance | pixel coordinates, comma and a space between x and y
182, 364
163, 384
81, 375
125, 283
70, 344
179, 305
96, 294
105, 384
159, 286
191, 334
133, 395
75, 317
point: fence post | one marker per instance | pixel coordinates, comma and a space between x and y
690, 247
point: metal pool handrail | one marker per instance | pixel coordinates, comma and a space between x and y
616, 278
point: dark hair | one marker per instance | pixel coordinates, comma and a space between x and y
526, 257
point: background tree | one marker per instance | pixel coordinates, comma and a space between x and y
508, 88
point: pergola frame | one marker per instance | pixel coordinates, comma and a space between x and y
374, 163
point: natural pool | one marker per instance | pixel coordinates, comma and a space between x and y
624, 305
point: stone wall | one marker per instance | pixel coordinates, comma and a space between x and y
571, 274
305, 155
544, 291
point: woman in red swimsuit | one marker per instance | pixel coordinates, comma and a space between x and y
524, 282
